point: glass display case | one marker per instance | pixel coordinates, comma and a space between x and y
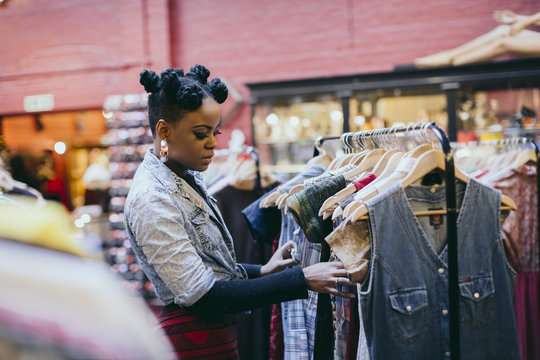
285, 131
471, 102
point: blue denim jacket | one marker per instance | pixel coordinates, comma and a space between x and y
181, 243
405, 298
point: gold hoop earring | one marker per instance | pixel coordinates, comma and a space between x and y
164, 151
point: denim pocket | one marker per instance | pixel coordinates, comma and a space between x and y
409, 315
477, 300
200, 221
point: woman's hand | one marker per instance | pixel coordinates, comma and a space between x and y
280, 260
325, 277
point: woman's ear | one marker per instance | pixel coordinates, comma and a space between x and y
163, 129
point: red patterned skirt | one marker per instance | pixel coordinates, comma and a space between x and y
193, 337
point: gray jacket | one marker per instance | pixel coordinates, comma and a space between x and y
181, 243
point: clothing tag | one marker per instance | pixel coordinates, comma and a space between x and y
435, 220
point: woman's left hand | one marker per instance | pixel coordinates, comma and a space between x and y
280, 260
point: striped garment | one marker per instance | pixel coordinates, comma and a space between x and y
193, 337
299, 339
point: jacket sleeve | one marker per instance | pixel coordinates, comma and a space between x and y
157, 230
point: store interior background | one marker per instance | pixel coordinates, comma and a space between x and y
67, 66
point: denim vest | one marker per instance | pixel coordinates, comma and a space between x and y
405, 299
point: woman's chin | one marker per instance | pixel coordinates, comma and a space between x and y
202, 167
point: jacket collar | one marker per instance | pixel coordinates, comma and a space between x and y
175, 183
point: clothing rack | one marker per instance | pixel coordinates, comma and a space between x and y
519, 140
536, 150
453, 273
252, 153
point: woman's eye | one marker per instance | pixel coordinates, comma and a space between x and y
217, 132
201, 135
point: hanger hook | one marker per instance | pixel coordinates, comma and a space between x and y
318, 144
349, 142
384, 138
425, 134
343, 140
361, 142
376, 139
354, 142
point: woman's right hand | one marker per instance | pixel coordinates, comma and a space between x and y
325, 277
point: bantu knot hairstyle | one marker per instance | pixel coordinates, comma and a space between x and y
150, 81
200, 73
172, 93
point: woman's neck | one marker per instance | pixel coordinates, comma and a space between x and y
176, 168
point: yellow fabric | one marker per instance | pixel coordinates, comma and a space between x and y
47, 226
487, 136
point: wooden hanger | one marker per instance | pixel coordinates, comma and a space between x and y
367, 163
333, 163
270, 200
323, 160
347, 159
386, 165
523, 157
281, 204
419, 150
397, 168
329, 205
357, 158
283, 199
428, 162
356, 148
383, 161
403, 167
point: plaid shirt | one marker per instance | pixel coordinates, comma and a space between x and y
301, 314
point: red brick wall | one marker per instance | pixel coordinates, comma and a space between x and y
251, 41
82, 51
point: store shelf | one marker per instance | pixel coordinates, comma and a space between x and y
128, 139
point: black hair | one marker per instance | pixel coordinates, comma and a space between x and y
173, 94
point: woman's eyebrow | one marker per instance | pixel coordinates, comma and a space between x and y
202, 126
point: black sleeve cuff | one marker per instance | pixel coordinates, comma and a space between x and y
253, 271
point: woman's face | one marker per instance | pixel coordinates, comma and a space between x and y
192, 140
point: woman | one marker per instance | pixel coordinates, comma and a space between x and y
179, 236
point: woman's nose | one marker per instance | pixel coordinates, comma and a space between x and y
212, 142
